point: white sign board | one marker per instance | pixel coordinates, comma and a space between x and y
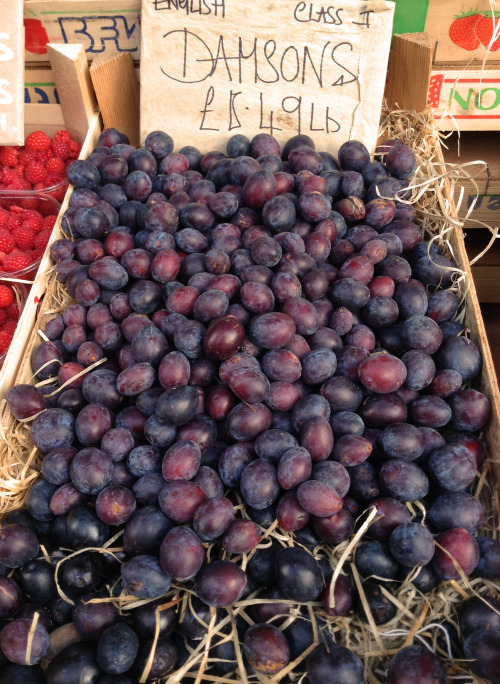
214, 68
11, 73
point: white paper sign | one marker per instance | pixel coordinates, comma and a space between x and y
11, 73
214, 68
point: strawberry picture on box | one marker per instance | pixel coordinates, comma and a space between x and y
471, 29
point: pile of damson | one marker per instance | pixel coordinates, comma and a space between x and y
266, 338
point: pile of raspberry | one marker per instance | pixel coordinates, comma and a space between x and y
24, 234
9, 316
40, 164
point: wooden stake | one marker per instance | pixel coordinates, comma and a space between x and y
117, 92
409, 72
74, 87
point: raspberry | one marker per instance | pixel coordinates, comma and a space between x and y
19, 170
33, 221
74, 149
26, 156
62, 136
10, 326
7, 243
16, 209
19, 184
44, 157
3, 317
24, 238
35, 173
48, 222
12, 310
9, 155
56, 165
16, 262
53, 179
8, 175
60, 150
6, 296
5, 340
42, 239
4, 217
36, 254
14, 221
38, 141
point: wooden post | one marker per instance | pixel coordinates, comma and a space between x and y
117, 91
74, 87
409, 72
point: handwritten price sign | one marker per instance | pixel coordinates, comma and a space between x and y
213, 68
11, 73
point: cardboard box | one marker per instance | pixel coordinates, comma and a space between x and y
99, 25
484, 184
11, 74
467, 99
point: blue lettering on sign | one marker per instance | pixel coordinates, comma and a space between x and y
97, 33
38, 95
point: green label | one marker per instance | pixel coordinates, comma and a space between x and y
410, 16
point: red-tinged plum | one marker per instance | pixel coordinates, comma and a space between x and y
456, 548
473, 444
181, 461
416, 663
380, 411
341, 601
470, 410
259, 484
223, 338
180, 499
430, 411
251, 386
92, 423
445, 383
294, 467
10, 597
318, 498
317, 438
266, 649
290, 514
24, 642
351, 450
25, 401
241, 537
91, 470
135, 379
272, 330
333, 474
403, 480
115, 505
219, 402
46, 360
181, 554
220, 583
246, 422
335, 528
118, 443
282, 396
393, 514
65, 498
212, 518
382, 373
